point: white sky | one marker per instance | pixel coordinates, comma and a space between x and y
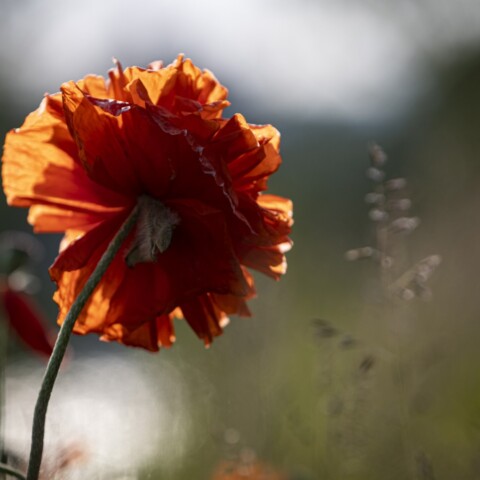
315, 58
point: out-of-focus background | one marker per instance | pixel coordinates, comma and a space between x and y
326, 381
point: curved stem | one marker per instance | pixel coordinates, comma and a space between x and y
13, 472
38, 429
3, 397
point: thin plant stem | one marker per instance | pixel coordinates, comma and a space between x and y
13, 472
38, 429
3, 397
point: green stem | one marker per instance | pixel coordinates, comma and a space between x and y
11, 471
38, 429
3, 396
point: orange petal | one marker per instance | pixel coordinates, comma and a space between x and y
153, 84
204, 317
97, 135
234, 304
283, 206
94, 85
165, 331
39, 167
54, 219
268, 260
267, 134
192, 83
126, 151
73, 267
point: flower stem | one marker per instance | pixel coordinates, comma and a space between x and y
3, 397
38, 429
13, 472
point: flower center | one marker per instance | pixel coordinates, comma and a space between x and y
154, 231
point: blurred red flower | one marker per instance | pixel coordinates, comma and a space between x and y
25, 320
238, 470
17, 250
155, 137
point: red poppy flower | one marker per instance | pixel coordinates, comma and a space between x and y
155, 137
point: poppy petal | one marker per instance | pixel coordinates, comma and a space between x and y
150, 336
235, 304
204, 317
51, 177
200, 259
99, 142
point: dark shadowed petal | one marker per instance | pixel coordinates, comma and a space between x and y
165, 330
233, 139
200, 259
204, 317
145, 336
80, 250
150, 335
235, 304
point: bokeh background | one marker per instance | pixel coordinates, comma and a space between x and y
325, 381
